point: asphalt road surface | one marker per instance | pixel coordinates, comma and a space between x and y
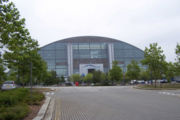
116, 103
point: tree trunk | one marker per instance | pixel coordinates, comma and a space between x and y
155, 83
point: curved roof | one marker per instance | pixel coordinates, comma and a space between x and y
86, 39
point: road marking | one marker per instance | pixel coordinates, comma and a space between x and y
169, 93
50, 93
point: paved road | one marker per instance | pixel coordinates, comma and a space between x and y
116, 103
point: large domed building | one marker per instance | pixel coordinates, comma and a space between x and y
85, 54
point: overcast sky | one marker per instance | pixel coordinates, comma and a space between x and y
138, 22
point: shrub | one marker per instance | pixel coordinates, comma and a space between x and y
35, 98
14, 103
12, 97
16, 112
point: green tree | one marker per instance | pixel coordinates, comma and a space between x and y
133, 70
115, 73
170, 72
88, 78
144, 75
178, 52
177, 63
19, 49
2, 73
102, 78
155, 60
62, 80
75, 78
105, 79
47, 80
51, 78
4, 34
96, 77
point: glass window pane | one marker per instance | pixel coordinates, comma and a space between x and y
83, 45
61, 46
75, 46
49, 47
95, 46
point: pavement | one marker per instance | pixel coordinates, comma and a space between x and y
114, 103
47, 109
43, 109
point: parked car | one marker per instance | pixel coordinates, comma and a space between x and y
133, 82
162, 81
141, 82
68, 83
177, 81
8, 85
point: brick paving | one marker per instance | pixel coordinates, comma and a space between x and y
114, 103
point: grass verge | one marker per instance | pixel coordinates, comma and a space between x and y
164, 86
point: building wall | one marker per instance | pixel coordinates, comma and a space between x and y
66, 56
56, 57
90, 53
125, 53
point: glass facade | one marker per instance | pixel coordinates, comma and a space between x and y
88, 50
89, 53
55, 55
125, 53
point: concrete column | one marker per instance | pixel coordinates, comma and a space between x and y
111, 54
70, 59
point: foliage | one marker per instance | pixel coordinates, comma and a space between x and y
133, 70
155, 60
75, 78
88, 78
99, 78
2, 74
35, 98
178, 52
12, 97
51, 78
115, 73
2, 69
62, 80
96, 76
17, 46
167, 86
177, 63
105, 79
145, 75
170, 72
14, 103
20, 95
16, 112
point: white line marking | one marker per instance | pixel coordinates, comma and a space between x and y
169, 93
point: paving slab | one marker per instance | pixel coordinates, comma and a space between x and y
114, 103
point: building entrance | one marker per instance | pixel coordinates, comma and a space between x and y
91, 70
